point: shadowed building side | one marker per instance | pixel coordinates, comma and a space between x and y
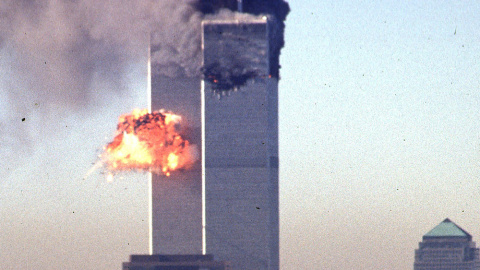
176, 201
445, 247
240, 145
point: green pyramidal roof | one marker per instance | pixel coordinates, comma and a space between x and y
447, 229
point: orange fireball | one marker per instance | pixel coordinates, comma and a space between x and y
149, 142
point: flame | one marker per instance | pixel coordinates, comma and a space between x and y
172, 163
149, 142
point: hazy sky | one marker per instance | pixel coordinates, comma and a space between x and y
379, 142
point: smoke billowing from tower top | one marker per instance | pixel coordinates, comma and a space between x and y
59, 49
276, 10
59, 46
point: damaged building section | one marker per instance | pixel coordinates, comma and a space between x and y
276, 10
232, 55
225, 78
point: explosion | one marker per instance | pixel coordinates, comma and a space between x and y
149, 142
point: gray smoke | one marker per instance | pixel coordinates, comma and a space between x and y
55, 51
61, 45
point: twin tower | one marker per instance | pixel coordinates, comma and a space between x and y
227, 204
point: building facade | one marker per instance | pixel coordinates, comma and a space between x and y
176, 200
240, 144
447, 247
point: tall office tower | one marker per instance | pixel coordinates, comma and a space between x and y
240, 146
447, 246
176, 200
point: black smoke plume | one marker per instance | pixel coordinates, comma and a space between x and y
278, 11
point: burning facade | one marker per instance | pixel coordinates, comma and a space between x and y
231, 59
240, 148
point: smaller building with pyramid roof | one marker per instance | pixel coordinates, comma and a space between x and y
447, 247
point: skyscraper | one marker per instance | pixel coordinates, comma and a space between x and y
227, 204
447, 246
176, 200
240, 144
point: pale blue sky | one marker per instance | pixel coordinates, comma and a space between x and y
379, 129
379, 142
